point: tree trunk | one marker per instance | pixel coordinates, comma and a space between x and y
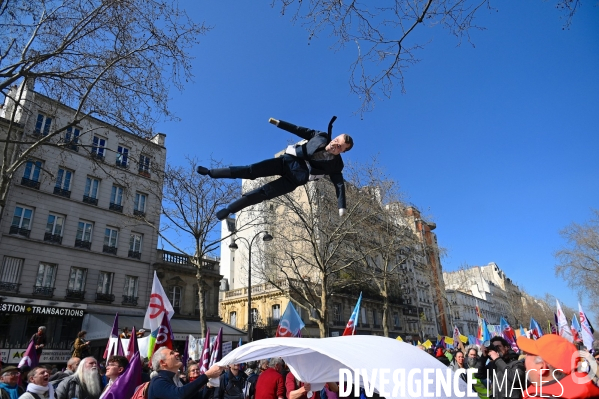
202, 306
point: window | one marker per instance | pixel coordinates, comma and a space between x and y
54, 228
10, 273
111, 237
42, 124
276, 312
135, 246
255, 316
105, 283
45, 275
122, 156
116, 199
174, 294
77, 279
233, 319
71, 138
98, 147
21, 221
90, 195
63, 182
336, 312
144, 165
139, 207
84, 235
395, 319
31, 175
130, 286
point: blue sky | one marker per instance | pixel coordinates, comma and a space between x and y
496, 142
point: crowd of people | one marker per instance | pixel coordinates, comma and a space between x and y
550, 365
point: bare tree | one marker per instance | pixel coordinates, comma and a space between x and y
579, 260
190, 203
113, 60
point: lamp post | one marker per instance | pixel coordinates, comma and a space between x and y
233, 246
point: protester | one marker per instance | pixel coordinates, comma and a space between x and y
166, 386
509, 376
39, 386
9, 387
232, 384
81, 345
458, 361
193, 371
551, 371
115, 366
297, 389
252, 371
84, 384
440, 356
72, 365
39, 340
270, 384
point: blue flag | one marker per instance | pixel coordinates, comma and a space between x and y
290, 324
350, 329
535, 329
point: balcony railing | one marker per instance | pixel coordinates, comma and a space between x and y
139, 213
56, 238
129, 300
90, 200
134, 254
9, 287
104, 297
62, 192
43, 291
75, 294
97, 155
144, 172
83, 244
339, 323
122, 164
30, 183
115, 207
20, 231
109, 249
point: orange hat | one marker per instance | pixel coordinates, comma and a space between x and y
555, 350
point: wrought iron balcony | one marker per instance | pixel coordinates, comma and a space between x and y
129, 300
20, 231
109, 249
122, 164
56, 238
43, 291
9, 287
139, 213
83, 244
30, 183
339, 323
90, 200
62, 192
97, 155
73, 147
115, 207
134, 254
144, 172
109, 298
75, 294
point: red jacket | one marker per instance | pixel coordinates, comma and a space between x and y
270, 385
290, 385
565, 388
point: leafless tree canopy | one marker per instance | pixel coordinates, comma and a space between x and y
384, 33
578, 262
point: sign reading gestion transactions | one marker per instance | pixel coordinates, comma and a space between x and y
40, 310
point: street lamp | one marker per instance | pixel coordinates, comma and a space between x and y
233, 246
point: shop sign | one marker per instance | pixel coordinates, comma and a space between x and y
39, 310
14, 356
227, 347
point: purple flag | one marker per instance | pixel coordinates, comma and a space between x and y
217, 348
133, 347
205, 358
113, 334
30, 356
124, 386
185, 353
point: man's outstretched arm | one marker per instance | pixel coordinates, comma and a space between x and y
302, 132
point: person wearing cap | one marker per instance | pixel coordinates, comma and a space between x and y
318, 156
9, 387
551, 369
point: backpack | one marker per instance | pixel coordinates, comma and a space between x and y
141, 392
72, 346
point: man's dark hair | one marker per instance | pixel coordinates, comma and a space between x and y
120, 360
502, 340
349, 141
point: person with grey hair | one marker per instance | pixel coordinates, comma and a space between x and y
270, 384
72, 365
84, 384
166, 385
39, 386
39, 340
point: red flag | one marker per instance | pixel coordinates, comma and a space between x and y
164, 336
30, 356
133, 346
205, 358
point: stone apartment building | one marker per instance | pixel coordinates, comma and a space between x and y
75, 235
